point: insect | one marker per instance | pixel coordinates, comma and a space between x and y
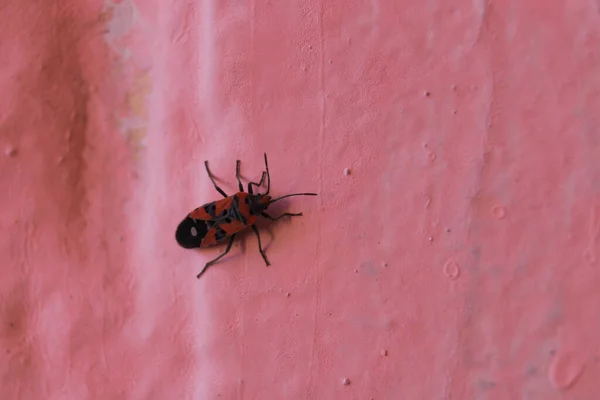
215, 222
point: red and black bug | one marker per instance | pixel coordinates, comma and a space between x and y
215, 222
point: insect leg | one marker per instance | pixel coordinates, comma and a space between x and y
237, 175
262, 253
211, 262
268, 175
262, 178
213, 180
267, 216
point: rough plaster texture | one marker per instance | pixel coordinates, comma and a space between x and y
458, 258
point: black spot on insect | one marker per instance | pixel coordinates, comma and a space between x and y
190, 232
224, 213
228, 220
210, 209
220, 234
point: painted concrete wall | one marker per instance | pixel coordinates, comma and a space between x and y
458, 258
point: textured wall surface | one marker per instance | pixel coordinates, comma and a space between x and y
456, 259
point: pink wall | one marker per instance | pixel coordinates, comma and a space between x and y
457, 260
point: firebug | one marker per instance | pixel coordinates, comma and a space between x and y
215, 222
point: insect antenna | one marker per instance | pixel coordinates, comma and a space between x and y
293, 194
